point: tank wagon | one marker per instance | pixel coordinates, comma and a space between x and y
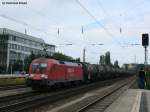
46, 72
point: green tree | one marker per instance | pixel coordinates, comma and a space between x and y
107, 58
102, 60
62, 57
28, 60
116, 65
17, 66
77, 60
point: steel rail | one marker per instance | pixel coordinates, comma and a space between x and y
34, 100
119, 88
10, 87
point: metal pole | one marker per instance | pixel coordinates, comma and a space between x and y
135, 59
146, 56
23, 65
84, 55
11, 69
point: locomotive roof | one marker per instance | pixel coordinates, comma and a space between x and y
69, 63
57, 61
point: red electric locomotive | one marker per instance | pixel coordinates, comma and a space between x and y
49, 72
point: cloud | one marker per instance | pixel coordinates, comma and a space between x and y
45, 17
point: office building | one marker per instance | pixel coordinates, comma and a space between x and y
16, 46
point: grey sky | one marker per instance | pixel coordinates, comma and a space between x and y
44, 17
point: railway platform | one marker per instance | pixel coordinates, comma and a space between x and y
132, 100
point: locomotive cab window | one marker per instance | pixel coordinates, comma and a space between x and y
43, 66
35, 66
39, 66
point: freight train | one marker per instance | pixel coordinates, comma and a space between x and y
46, 72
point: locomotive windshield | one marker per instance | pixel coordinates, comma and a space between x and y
39, 66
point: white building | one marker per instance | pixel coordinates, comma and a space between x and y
16, 46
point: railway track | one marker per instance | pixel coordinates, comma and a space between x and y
10, 87
26, 101
104, 100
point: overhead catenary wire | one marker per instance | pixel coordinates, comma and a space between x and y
120, 16
29, 25
44, 16
129, 10
95, 19
107, 14
114, 23
51, 20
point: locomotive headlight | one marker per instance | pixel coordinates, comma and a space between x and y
31, 75
44, 76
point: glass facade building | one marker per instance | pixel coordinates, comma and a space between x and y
16, 46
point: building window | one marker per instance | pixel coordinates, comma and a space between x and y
28, 49
35, 44
24, 41
14, 38
10, 38
19, 47
15, 46
17, 39
22, 48
20, 40
9, 46
28, 42
31, 42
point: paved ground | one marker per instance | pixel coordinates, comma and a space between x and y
133, 100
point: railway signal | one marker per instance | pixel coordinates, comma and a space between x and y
145, 43
145, 39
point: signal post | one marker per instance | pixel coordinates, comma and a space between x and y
145, 43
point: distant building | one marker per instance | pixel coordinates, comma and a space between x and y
133, 66
16, 46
